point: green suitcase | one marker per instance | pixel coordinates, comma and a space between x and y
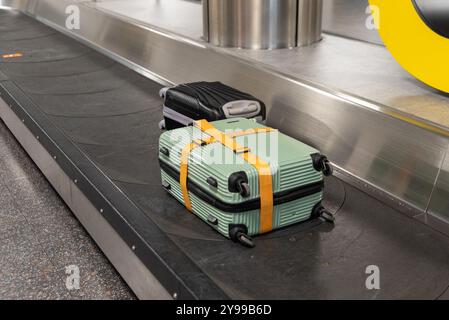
242, 177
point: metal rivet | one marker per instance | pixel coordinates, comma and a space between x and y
175, 295
54, 157
23, 120
133, 248
37, 137
101, 210
76, 181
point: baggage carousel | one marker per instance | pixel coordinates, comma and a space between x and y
91, 125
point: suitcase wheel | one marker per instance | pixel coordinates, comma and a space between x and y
328, 169
322, 164
327, 216
244, 190
245, 240
320, 212
238, 183
238, 233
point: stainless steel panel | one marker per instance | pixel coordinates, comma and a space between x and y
310, 13
23, 5
392, 151
205, 5
348, 18
359, 68
252, 24
143, 283
138, 277
379, 150
182, 16
439, 204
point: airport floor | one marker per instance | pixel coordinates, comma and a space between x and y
40, 238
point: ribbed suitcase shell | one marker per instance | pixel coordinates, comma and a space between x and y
204, 100
293, 169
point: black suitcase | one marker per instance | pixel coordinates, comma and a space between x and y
211, 101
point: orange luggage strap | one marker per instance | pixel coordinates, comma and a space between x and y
184, 169
250, 131
262, 167
185, 155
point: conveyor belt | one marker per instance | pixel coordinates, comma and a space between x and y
103, 117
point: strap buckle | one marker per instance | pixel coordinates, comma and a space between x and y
242, 150
203, 142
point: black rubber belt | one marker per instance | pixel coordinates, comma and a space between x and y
3, 76
103, 194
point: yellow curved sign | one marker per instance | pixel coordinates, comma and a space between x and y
418, 49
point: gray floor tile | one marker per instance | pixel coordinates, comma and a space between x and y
7, 202
40, 237
10, 226
24, 266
